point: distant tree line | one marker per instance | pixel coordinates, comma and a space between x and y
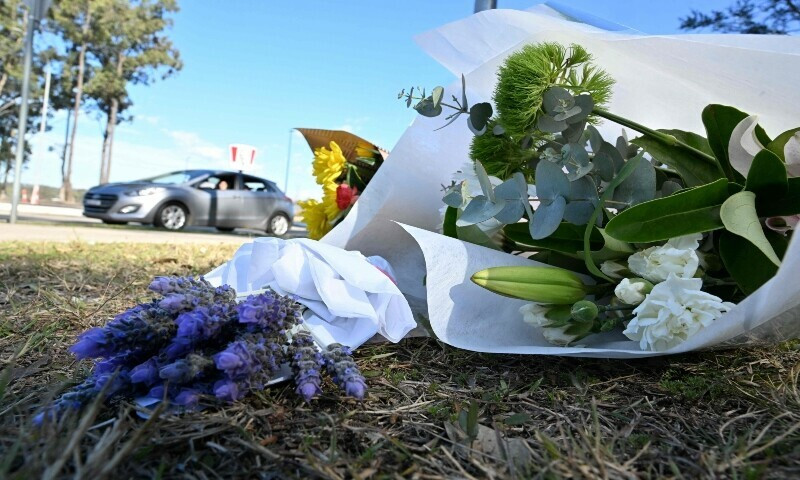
748, 16
95, 49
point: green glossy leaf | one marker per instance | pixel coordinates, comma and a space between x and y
777, 146
720, 120
693, 169
748, 265
739, 216
788, 204
693, 210
566, 239
613, 249
449, 224
767, 176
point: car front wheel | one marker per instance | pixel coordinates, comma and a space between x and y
172, 217
278, 225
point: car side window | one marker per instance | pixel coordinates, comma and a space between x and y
255, 184
218, 182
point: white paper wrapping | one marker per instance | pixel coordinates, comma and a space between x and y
662, 82
349, 297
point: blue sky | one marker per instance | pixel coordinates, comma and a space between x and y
256, 68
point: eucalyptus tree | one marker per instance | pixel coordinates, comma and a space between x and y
135, 50
748, 16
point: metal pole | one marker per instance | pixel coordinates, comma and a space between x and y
481, 5
288, 162
23, 117
37, 165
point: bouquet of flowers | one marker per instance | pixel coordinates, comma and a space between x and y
343, 165
195, 345
656, 236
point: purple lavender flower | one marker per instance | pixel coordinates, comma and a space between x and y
307, 363
344, 371
228, 390
185, 294
203, 323
188, 397
92, 343
167, 285
185, 370
268, 312
146, 373
238, 360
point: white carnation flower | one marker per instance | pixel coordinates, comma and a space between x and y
534, 315
677, 256
632, 291
675, 310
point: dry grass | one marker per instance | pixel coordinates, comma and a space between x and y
432, 411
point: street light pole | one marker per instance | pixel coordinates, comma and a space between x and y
481, 5
23, 117
288, 163
36, 10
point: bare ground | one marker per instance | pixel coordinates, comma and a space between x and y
432, 411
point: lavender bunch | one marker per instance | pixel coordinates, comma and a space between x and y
345, 372
145, 327
195, 342
307, 364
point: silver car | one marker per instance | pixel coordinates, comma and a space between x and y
216, 198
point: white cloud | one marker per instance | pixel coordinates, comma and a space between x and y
193, 145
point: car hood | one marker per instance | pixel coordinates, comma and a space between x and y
117, 188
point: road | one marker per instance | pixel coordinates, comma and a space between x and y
60, 224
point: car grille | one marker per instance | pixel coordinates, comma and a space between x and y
101, 202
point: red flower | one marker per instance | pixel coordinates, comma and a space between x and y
346, 196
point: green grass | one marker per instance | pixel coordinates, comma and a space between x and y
432, 411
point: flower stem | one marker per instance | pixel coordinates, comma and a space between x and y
660, 136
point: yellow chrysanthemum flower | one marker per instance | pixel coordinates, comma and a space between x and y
329, 201
315, 218
328, 164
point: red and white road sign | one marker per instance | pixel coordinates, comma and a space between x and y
243, 157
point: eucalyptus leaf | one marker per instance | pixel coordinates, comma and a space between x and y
436, 96
669, 187
575, 132
453, 197
694, 210
548, 124
595, 139
639, 187
547, 217
586, 104
484, 181
606, 161
551, 182
426, 108
479, 115
738, 214
555, 98
578, 212
694, 170
498, 129
478, 210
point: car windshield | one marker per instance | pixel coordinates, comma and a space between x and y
174, 177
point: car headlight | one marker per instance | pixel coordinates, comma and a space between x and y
144, 191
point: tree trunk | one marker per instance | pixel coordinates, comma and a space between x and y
66, 184
66, 145
111, 125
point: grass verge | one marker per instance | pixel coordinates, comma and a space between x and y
432, 411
